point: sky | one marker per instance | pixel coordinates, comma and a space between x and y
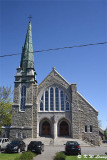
58, 24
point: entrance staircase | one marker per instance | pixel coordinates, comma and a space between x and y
59, 141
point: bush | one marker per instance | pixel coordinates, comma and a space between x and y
26, 156
60, 156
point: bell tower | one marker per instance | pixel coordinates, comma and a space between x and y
25, 82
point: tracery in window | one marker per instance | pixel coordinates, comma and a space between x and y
54, 99
67, 106
23, 98
42, 97
41, 106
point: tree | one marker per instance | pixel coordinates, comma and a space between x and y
5, 106
105, 133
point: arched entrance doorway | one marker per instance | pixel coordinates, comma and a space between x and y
46, 129
63, 129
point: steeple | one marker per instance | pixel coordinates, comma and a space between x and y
26, 72
27, 58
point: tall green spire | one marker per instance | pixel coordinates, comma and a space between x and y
27, 58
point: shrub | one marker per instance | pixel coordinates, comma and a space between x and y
60, 156
26, 156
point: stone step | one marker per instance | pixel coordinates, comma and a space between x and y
58, 141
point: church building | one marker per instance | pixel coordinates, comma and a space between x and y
54, 108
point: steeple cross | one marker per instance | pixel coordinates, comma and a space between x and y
30, 18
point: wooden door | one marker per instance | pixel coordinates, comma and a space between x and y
64, 129
46, 129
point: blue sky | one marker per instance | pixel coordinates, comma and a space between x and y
59, 24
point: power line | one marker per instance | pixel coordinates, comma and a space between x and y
46, 50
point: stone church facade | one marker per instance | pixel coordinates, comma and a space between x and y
54, 108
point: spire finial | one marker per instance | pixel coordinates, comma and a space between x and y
53, 68
30, 18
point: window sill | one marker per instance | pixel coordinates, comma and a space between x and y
21, 111
53, 111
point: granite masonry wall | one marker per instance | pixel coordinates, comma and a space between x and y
22, 120
88, 117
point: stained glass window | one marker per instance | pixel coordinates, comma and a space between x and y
51, 99
41, 106
46, 100
42, 97
23, 98
54, 99
67, 106
57, 99
62, 100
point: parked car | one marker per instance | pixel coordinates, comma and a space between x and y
15, 146
36, 146
72, 147
3, 143
104, 141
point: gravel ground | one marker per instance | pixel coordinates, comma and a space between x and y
49, 151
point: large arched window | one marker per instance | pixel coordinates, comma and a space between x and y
54, 99
23, 98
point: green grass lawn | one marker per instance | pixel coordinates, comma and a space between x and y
84, 158
11, 156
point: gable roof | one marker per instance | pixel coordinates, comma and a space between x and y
54, 72
87, 102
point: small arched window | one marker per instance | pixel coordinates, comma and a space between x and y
23, 98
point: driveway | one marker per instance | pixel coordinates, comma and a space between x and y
49, 151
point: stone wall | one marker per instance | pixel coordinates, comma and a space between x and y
88, 116
35, 111
75, 113
22, 120
20, 133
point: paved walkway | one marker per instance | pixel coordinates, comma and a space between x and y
50, 151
